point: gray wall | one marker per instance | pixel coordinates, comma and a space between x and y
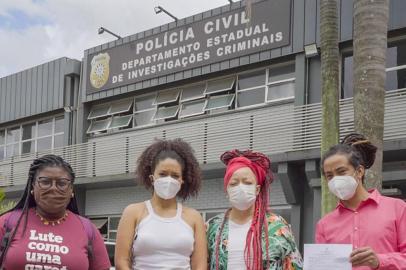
113, 201
36, 90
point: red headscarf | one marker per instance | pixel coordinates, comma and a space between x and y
242, 162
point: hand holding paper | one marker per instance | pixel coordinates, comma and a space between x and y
327, 256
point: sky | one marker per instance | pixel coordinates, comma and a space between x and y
33, 32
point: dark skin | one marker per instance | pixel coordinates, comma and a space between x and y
340, 165
52, 203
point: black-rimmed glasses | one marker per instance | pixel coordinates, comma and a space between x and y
62, 184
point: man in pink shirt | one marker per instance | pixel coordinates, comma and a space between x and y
374, 224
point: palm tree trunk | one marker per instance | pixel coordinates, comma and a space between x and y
370, 42
330, 89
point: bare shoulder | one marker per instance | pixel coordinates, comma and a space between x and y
191, 212
134, 211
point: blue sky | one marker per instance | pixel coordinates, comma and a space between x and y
36, 31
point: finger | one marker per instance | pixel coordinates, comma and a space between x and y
359, 250
368, 261
361, 256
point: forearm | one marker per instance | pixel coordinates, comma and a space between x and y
392, 261
123, 265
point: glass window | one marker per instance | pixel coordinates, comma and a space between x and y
59, 124
166, 112
193, 92
220, 85
100, 125
99, 111
222, 101
167, 96
252, 79
2, 137
28, 147
191, 108
281, 73
347, 88
112, 235
144, 103
144, 118
121, 106
120, 121
281, 91
2, 154
12, 150
58, 141
45, 127
13, 135
44, 143
113, 225
251, 97
29, 131
396, 55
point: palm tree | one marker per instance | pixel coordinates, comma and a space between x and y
330, 89
370, 42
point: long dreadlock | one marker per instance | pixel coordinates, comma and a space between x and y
27, 199
253, 247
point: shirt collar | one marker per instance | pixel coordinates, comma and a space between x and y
374, 197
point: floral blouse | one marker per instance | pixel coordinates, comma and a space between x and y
283, 253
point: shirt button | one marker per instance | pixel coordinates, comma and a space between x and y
355, 212
356, 228
355, 246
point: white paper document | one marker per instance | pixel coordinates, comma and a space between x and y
327, 256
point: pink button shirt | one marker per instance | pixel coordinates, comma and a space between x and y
379, 222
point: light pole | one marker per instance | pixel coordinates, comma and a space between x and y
160, 9
101, 30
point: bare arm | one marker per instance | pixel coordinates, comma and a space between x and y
199, 255
125, 236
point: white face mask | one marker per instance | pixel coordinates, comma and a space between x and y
343, 186
242, 196
166, 187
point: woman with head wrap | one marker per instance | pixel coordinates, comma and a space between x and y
248, 235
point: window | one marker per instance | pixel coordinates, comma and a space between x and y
216, 102
99, 111
102, 225
120, 121
191, 108
45, 127
100, 125
251, 88
120, 107
251, 97
144, 110
220, 85
281, 83
193, 92
166, 112
2, 144
395, 70
167, 96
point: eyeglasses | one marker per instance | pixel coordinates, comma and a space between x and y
61, 183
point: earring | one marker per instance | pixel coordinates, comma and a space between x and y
32, 192
73, 195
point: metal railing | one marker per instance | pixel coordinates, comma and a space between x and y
273, 129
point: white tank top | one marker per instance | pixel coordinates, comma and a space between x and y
237, 235
162, 243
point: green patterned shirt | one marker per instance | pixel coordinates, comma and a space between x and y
283, 253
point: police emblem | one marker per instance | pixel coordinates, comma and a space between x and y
99, 73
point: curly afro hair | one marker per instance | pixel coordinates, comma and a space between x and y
176, 149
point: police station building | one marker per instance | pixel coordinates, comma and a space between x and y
216, 79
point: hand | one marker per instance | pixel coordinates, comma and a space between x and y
364, 256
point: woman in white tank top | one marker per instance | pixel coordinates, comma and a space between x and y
160, 233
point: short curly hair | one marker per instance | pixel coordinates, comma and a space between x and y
176, 149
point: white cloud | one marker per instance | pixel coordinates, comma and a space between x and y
74, 23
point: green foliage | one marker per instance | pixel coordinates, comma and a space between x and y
4, 206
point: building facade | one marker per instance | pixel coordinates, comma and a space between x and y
217, 79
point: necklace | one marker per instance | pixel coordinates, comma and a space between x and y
51, 222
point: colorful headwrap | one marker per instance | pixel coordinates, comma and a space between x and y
257, 162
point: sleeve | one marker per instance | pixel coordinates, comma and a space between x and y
319, 237
396, 260
2, 221
282, 235
100, 259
